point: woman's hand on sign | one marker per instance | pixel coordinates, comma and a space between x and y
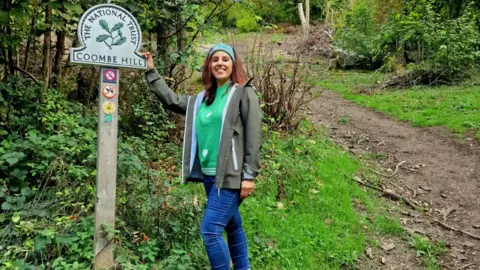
247, 189
149, 58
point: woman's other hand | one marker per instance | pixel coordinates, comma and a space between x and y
247, 189
149, 58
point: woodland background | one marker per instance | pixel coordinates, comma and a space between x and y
48, 119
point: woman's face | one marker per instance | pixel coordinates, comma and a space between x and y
221, 66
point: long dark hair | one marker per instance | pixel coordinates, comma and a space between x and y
210, 83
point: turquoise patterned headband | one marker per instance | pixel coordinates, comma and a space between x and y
224, 48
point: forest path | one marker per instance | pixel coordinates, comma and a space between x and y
441, 172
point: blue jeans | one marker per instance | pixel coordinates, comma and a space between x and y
221, 213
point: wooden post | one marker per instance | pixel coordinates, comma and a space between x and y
98, 48
106, 167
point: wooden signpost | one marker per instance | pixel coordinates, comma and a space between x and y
111, 38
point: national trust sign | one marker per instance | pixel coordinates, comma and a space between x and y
110, 36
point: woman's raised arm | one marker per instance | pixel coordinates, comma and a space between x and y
169, 99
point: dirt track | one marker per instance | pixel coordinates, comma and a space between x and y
441, 173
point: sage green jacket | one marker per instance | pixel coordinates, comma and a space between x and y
240, 137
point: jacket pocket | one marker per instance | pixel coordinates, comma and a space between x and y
234, 156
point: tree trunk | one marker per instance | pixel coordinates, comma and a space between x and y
29, 41
5, 65
11, 64
180, 33
302, 20
307, 15
162, 47
59, 51
57, 65
150, 41
11, 69
46, 64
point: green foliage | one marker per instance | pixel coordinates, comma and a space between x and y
47, 190
306, 215
356, 36
428, 251
449, 48
244, 19
284, 11
18, 16
434, 48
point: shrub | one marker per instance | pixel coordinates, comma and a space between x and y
284, 86
356, 39
47, 185
435, 49
244, 18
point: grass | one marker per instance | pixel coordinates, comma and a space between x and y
454, 107
428, 251
306, 214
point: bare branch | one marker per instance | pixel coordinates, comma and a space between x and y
30, 75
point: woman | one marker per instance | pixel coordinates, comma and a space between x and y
221, 148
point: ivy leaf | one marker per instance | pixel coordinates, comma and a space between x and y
104, 25
65, 16
65, 240
102, 38
6, 206
13, 158
19, 174
117, 26
26, 191
41, 242
120, 41
74, 7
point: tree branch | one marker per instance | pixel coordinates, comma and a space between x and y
181, 28
209, 17
30, 75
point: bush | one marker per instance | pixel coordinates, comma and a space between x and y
244, 18
444, 50
356, 39
47, 185
434, 49
284, 86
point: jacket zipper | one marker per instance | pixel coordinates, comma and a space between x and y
184, 141
234, 154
